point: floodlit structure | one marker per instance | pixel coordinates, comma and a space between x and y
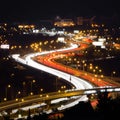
64, 23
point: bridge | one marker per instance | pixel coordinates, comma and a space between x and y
29, 100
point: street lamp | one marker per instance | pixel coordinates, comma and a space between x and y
31, 85
6, 92
41, 90
84, 64
18, 95
112, 74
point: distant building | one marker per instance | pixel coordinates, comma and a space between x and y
79, 20
82, 21
64, 23
26, 26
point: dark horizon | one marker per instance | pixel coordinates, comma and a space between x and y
20, 11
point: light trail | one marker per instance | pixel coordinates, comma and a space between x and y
77, 82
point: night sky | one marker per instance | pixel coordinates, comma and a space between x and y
35, 10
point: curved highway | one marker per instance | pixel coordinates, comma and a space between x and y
78, 83
28, 60
45, 62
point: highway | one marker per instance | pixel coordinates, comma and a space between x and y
55, 96
44, 61
28, 60
78, 83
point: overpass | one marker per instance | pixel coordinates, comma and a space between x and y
29, 100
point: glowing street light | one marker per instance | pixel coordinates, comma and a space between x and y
6, 92
31, 83
112, 74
